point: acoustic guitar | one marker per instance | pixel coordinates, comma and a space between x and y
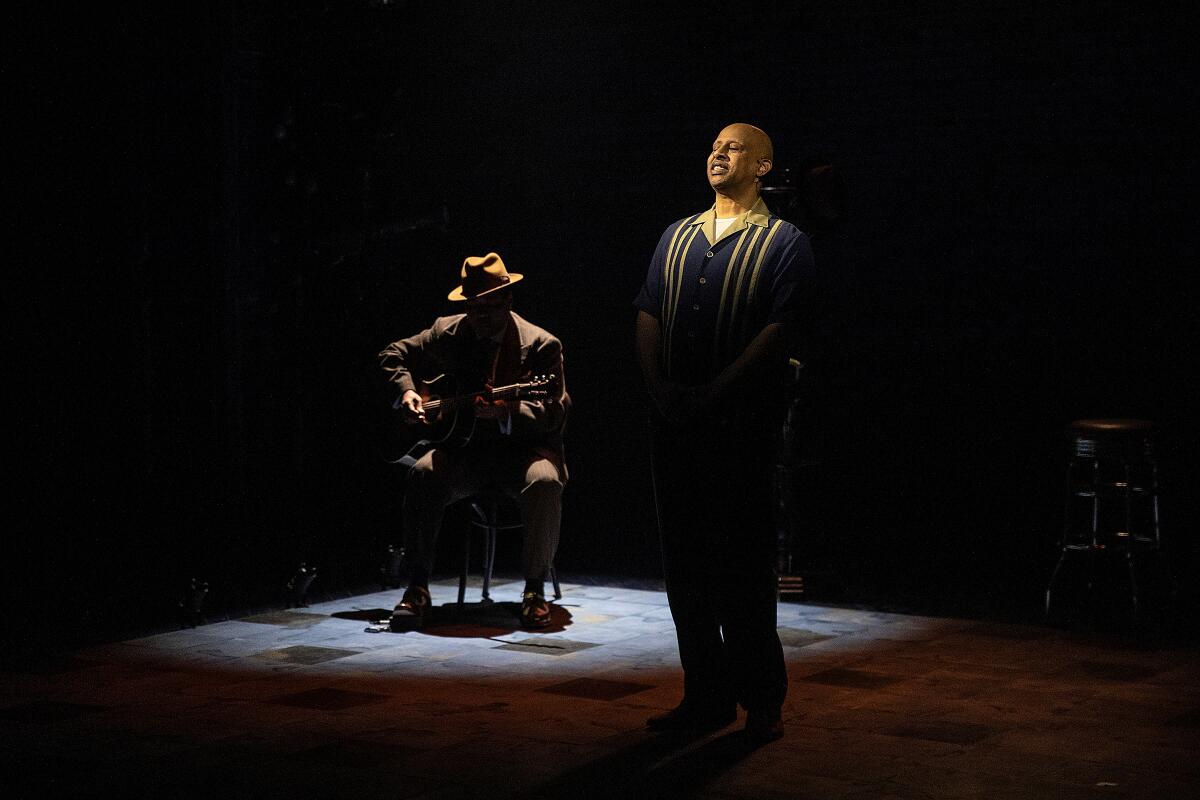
450, 417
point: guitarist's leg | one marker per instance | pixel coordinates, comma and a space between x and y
541, 511
536, 484
439, 478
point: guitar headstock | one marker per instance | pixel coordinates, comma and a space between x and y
533, 387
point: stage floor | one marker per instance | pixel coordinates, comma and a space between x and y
312, 703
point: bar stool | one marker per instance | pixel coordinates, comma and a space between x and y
486, 515
1111, 500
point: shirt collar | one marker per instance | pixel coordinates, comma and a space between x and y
758, 215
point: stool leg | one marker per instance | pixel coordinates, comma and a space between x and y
1062, 557
1130, 537
1066, 538
1128, 498
490, 548
466, 566
1095, 506
1133, 583
1154, 503
554, 581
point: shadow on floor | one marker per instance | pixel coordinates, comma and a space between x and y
654, 765
472, 621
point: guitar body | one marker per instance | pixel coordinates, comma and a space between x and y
450, 416
450, 424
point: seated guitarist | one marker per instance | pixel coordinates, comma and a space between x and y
514, 444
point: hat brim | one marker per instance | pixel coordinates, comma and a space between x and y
457, 295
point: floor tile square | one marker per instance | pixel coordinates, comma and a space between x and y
949, 732
286, 619
328, 699
304, 654
851, 678
799, 637
596, 688
547, 647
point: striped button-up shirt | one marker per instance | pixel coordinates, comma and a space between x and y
713, 295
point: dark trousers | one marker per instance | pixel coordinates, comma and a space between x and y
442, 477
716, 521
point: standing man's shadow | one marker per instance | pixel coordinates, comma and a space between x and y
655, 765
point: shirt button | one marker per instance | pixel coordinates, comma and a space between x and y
703, 281
696, 307
709, 254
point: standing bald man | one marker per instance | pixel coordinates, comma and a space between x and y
718, 316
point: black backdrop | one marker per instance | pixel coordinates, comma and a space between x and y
230, 211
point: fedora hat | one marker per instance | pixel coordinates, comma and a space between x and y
483, 274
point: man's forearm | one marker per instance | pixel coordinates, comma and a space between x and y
648, 338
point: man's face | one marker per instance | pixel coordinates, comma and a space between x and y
487, 315
736, 159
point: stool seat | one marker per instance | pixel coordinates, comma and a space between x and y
1110, 427
1125, 440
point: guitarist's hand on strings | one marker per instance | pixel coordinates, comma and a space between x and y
414, 411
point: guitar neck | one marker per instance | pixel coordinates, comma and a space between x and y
498, 393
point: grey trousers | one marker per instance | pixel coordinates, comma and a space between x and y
442, 477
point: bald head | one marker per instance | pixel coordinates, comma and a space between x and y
756, 138
741, 155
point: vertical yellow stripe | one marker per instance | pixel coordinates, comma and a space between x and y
673, 277
665, 301
729, 278
675, 272
737, 291
762, 255
674, 285
676, 254
752, 292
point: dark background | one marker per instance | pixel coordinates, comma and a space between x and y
225, 212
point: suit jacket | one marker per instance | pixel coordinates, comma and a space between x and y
449, 346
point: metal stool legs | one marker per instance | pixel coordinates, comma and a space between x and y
486, 518
1119, 482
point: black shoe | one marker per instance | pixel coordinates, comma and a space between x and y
692, 717
763, 726
410, 612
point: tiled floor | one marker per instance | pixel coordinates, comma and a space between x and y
320, 703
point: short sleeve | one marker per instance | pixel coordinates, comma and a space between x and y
649, 299
793, 280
